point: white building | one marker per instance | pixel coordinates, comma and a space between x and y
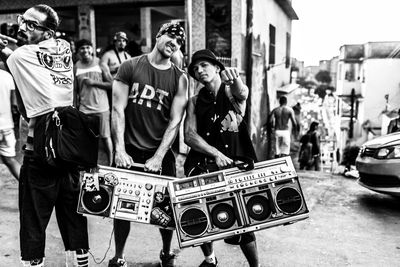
372, 70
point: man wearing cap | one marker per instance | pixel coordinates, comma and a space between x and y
216, 132
149, 100
92, 85
113, 58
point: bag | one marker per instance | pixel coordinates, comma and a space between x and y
305, 155
67, 136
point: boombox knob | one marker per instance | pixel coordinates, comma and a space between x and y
257, 209
148, 186
222, 216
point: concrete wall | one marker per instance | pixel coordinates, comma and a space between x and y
381, 78
266, 81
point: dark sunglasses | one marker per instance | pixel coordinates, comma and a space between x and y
31, 25
179, 40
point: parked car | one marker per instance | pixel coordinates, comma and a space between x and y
378, 164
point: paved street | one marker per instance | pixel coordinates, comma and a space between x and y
348, 226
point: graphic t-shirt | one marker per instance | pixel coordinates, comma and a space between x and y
151, 92
43, 74
6, 86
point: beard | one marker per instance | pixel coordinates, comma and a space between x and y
120, 49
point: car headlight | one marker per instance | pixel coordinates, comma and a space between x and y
388, 152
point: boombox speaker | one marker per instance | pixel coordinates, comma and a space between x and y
229, 202
126, 195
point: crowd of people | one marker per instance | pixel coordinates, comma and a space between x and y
140, 103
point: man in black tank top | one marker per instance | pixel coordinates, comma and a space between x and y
149, 100
215, 131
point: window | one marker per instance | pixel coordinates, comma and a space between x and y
272, 33
288, 44
350, 75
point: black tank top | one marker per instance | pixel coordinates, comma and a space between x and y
221, 126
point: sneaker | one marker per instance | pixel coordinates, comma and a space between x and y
116, 262
207, 264
167, 260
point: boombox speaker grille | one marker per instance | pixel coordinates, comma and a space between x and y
223, 216
193, 222
289, 200
258, 208
96, 201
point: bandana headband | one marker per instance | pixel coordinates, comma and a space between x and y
173, 29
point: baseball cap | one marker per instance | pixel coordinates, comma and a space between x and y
120, 35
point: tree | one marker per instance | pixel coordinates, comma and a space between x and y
323, 76
305, 83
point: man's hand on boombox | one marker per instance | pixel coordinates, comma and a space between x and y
222, 161
122, 159
153, 164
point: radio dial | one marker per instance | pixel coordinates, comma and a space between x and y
148, 186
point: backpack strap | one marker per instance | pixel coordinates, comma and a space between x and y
239, 108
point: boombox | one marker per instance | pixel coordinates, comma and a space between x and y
127, 195
224, 203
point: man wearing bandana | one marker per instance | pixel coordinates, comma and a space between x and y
149, 99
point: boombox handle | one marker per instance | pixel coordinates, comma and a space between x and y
207, 166
243, 163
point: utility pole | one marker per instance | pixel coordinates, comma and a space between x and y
352, 100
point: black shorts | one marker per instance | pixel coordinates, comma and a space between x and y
41, 189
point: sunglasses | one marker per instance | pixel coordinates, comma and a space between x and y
179, 40
31, 25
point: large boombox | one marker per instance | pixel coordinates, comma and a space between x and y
126, 195
202, 208
220, 204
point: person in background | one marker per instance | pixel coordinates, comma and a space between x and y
149, 100
91, 85
297, 114
394, 124
114, 57
43, 86
7, 136
216, 132
312, 137
279, 121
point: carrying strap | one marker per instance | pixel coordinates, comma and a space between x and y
239, 108
117, 54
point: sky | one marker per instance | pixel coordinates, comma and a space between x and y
325, 25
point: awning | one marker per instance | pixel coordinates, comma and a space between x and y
288, 88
